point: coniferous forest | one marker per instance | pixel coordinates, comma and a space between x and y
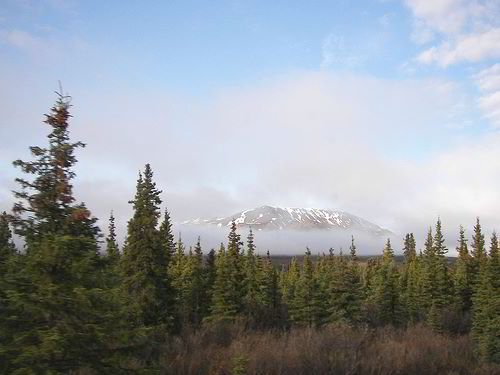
74, 302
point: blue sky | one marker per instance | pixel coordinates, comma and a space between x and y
366, 106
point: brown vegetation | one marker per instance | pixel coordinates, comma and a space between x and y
226, 348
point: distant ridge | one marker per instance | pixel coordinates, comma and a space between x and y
301, 219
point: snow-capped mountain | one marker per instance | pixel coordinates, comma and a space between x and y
277, 218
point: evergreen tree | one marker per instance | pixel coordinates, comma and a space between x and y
111, 246
441, 292
250, 281
428, 274
486, 320
352, 250
306, 302
385, 289
462, 277
61, 317
44, 204
224, 298
478, 253
177, 273
236, 272
345, 291
209, 278
269, 293
410, 254
409, 248
199, 309
289, 283
412, 292
166, 237
145, 282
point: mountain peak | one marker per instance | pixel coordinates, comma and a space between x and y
278, 218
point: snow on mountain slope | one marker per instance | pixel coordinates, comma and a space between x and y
276, 218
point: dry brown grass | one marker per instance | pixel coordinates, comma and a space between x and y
224, 348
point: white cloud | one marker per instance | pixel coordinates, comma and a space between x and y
336, 52
22, 40
490, 104
305, 139
488, 81
464, 48
469, 30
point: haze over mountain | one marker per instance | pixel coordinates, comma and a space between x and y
288, 230
277, 218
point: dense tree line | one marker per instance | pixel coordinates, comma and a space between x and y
64, 306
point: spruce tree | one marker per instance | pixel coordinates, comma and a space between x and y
345, 292
209, 272
410, 253
409, 248
145, 282
441, 292
385, 289
269, 294
235, 263
44, 203
199, 309
177, 273
428, 274
111, 246
289, 283
250, 281
306, 302
352, 250
478, 253
462, 276
224, 304
486, 321
166, 237
58, 302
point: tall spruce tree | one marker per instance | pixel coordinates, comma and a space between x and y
236, 271
44, 203
167, 237
58, 302
386, 289
224, 302
306, 302
478, 253
441, 294
486, 320
209, 278
251, 297
344, 289
111, 246
145, 282
462, 276
198, 292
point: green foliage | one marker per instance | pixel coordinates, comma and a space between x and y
145, 283
384, 290
462, 277
228, 289
307, 299
486, 321
58, 315
7, 247
112, 250
44, 203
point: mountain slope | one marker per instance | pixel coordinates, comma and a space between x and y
276, 218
